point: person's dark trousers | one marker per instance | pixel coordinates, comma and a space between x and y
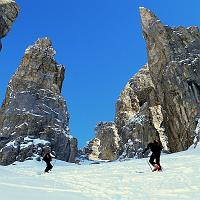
155, 157
49, 167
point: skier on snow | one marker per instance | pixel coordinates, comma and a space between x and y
48, 158
156, 148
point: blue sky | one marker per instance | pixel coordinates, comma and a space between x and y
100, 43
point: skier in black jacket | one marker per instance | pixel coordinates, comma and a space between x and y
48, 158
156, 148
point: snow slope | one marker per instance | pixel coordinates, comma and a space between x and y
132, 179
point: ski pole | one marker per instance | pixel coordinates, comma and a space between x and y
148, 164
54, 162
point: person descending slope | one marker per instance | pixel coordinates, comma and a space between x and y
48, 158
156, 148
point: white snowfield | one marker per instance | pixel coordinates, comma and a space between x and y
132, 180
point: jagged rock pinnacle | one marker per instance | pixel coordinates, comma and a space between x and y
149, 20
34, 116
42, 46
40, 56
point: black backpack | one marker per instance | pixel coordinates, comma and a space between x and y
45, 158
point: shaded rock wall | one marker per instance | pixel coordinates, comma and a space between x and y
8, 13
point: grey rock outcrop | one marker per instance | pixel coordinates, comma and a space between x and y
106, 144
109, 140
34, 115
91, 151
8, 13
161, 101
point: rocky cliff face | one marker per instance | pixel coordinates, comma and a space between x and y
34, 116
8, 13
162, 100
174, 65
135, 109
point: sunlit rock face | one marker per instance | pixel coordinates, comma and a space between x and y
138, 113
91, 151
8, 13
109, 139
34, 115
105, 146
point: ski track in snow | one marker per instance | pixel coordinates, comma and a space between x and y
132, 179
